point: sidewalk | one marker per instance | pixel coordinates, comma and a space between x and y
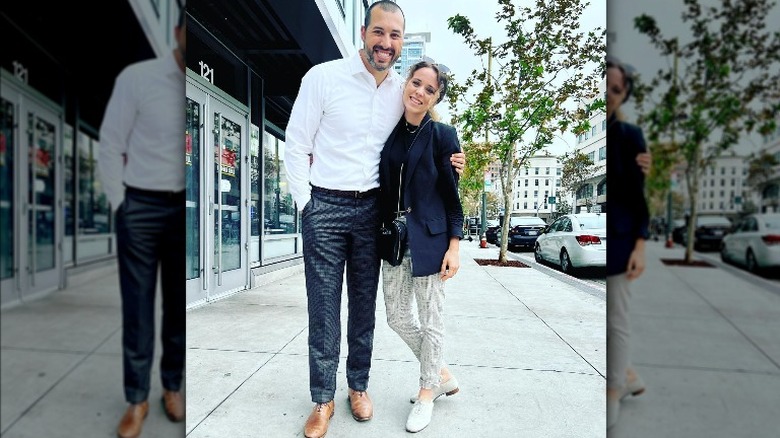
62, 365
528, 352
706, 341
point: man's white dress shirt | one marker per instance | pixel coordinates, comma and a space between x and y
144, 120
343, 119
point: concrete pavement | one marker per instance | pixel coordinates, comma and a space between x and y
706, 341
528, 351
62, 365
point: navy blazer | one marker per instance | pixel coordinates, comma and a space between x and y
628, 215
434, 212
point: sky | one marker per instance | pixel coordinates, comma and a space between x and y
448, 48
634, 48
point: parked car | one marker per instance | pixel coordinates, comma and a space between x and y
574, 241
524, 231
491, 234
709, 232
754, 242
678, 229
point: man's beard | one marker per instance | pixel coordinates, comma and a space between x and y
372, 61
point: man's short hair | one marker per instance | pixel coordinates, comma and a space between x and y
385, 5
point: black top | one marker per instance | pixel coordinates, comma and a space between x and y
628, 215
398, 156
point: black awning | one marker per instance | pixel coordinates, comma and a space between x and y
72, 52
279, 40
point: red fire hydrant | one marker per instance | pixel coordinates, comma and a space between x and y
483, 241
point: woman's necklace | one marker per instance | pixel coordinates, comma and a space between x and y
408, 126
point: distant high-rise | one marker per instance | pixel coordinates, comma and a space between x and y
412, 52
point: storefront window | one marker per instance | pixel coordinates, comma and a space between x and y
280, 218
94, 222
192, 180
6, 189
68, 205
93, 204
256, 188
280, 215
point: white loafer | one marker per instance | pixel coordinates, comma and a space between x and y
634, 388
448, 388
420, 416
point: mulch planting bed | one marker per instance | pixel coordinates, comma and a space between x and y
494, 262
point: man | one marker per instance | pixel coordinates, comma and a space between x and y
339, 123
142, 170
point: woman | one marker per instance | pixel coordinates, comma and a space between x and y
627, 228
419, 185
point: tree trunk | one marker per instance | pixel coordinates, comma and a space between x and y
693, 189
506, 181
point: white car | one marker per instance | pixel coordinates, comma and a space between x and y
574, 241
754, 242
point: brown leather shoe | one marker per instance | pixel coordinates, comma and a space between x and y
133, 420
362, 408
173, 403
317, 424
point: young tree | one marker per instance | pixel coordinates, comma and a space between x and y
727, 84
561, 207
761, 169
545, 62
576, 169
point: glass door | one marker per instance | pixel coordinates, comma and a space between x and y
193, 133
218, 221
229, 216
29, 253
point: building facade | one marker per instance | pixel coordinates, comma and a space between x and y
723, 186
412, 52
55, 220
533, 187
769, 195
593, 143
242, 223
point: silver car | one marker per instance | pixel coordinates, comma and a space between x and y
754, 242
574, 241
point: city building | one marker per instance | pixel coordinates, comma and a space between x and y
413, 51
56, 77
769, 196
244, 68
533, 187
593, 143
723, 186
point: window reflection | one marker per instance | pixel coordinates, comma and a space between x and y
192, 181
7, 188
93, 204
279, 209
